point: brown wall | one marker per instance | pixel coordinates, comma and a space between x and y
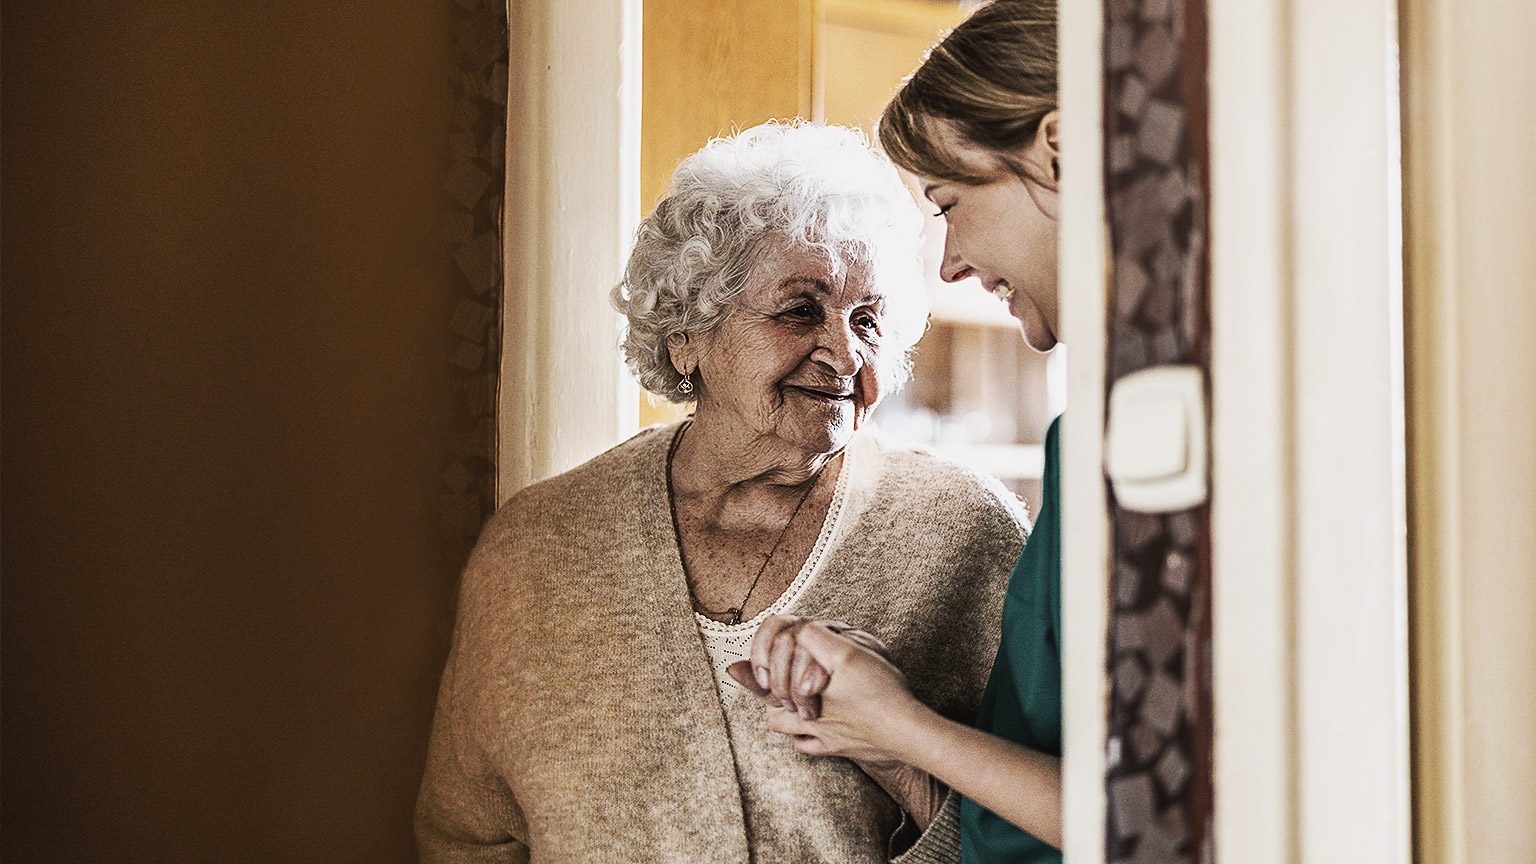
225, 313
746, 62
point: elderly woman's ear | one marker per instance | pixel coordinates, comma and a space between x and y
683, 352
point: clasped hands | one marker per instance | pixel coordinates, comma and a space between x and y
829, 686
834, 690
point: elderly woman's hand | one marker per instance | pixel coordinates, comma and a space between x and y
785, 675
864, 689
864, 699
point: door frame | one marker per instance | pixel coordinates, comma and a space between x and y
571, 208
1309, 481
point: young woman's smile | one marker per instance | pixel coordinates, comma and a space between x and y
1004, 232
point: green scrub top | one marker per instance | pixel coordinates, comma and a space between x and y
1022, 702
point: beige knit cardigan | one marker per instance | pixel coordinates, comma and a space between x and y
579, 719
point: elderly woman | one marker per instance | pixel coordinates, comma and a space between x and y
585, 714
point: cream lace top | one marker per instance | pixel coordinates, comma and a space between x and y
728, 643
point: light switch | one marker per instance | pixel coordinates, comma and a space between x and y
1159, 447
1155, 447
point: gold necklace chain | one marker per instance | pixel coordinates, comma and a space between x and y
735, 611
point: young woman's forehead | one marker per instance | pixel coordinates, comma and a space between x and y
967, 156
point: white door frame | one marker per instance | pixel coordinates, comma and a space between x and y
572, 203
1084, 241
1309, 518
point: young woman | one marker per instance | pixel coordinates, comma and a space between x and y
977, 124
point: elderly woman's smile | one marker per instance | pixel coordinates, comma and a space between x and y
799, 359
826, 396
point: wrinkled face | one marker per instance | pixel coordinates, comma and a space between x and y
1004, 234
798, 358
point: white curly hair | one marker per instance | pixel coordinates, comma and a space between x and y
779, 186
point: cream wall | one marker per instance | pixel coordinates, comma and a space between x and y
1469, 113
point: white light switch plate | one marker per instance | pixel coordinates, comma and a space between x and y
1155, 448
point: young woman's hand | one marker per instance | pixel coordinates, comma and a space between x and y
865, 704
868, 715
794, 685
785, 675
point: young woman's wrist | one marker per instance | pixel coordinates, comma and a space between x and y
909, 733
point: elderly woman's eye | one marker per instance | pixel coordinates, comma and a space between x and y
867, 321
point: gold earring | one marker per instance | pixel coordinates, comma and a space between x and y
685, 386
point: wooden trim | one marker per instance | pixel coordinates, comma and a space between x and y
1468, 97
920, 18
1435, 528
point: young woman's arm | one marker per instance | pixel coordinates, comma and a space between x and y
867, 714
914, 790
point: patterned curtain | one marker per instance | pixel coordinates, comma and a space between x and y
474, 181
1156, 180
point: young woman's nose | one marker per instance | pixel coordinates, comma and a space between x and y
953, 268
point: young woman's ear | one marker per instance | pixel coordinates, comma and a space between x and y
1046, 145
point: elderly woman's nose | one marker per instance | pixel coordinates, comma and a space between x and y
838, 348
